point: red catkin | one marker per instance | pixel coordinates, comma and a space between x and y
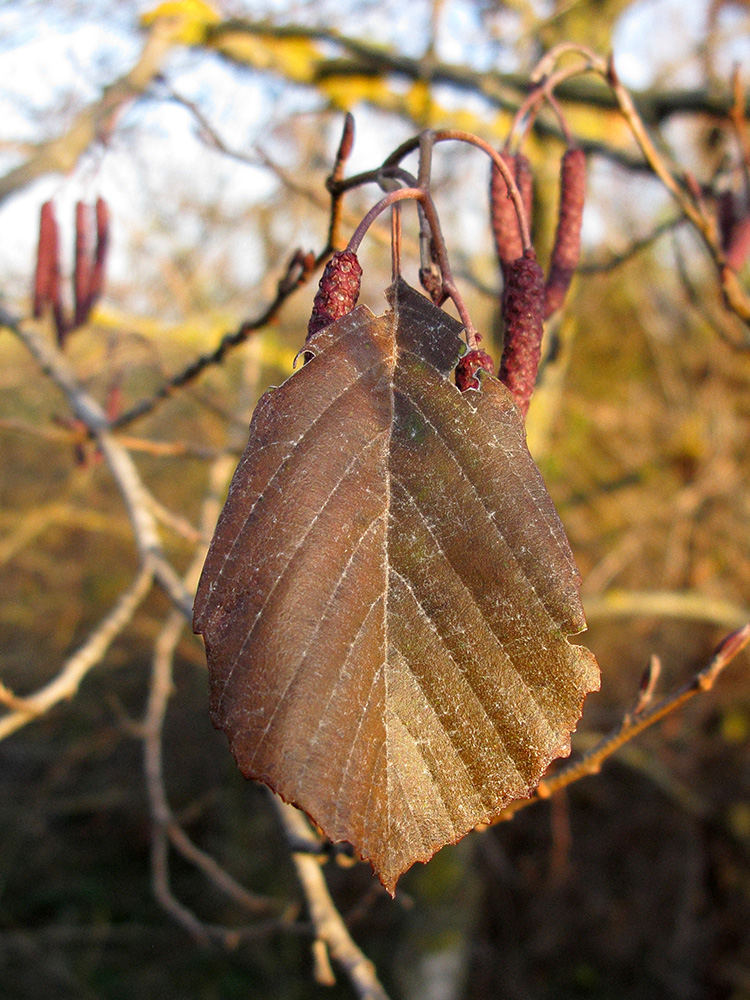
82, 268
525, 183
726, 216
504, 220
566, 251
468, 366
100, 254
522, 318
46, 277
338, 290
738, 249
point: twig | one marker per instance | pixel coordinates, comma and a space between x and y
605, 266
327, 921
458, 135
66, 683
634, 723
135, 495
165, 828
424, 198
61, 154
665, 604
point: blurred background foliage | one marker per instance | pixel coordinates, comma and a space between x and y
636, 884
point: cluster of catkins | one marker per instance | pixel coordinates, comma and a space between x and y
91, 243
527, 300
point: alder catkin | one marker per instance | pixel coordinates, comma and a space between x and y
523, 325
525, 182
503, 217
726, 216
566, 251
468, 366
82, 266
100, 254
46, 276
338, 290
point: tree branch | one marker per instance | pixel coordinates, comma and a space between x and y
634, 723
95, 122
66, 683
327, 921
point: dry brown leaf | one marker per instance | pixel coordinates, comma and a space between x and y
388, 594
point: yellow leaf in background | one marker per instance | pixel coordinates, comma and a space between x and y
191, 18
296, 59
344, 92
418, 102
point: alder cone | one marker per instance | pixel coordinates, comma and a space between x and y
523, 328
566, 251
338, 290
387, 596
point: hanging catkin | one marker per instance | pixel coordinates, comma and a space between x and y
100, 254
82, 266
523, 327
566, 251
503, 217
46, 277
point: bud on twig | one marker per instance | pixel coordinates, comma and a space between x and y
338, 290
567, 249
522, 317
468, 366
46, 277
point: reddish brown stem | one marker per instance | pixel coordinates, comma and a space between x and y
422, 196
458, 135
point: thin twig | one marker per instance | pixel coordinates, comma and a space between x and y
165, 828
67, 681
327, 921
634, 723
615, 260
687, 604
132, 489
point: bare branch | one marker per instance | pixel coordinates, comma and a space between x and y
66, 683
96, 121
634, 723
685, 604
327, 921
137, 499
165, 828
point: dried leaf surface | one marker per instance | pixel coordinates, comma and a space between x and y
387, 597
